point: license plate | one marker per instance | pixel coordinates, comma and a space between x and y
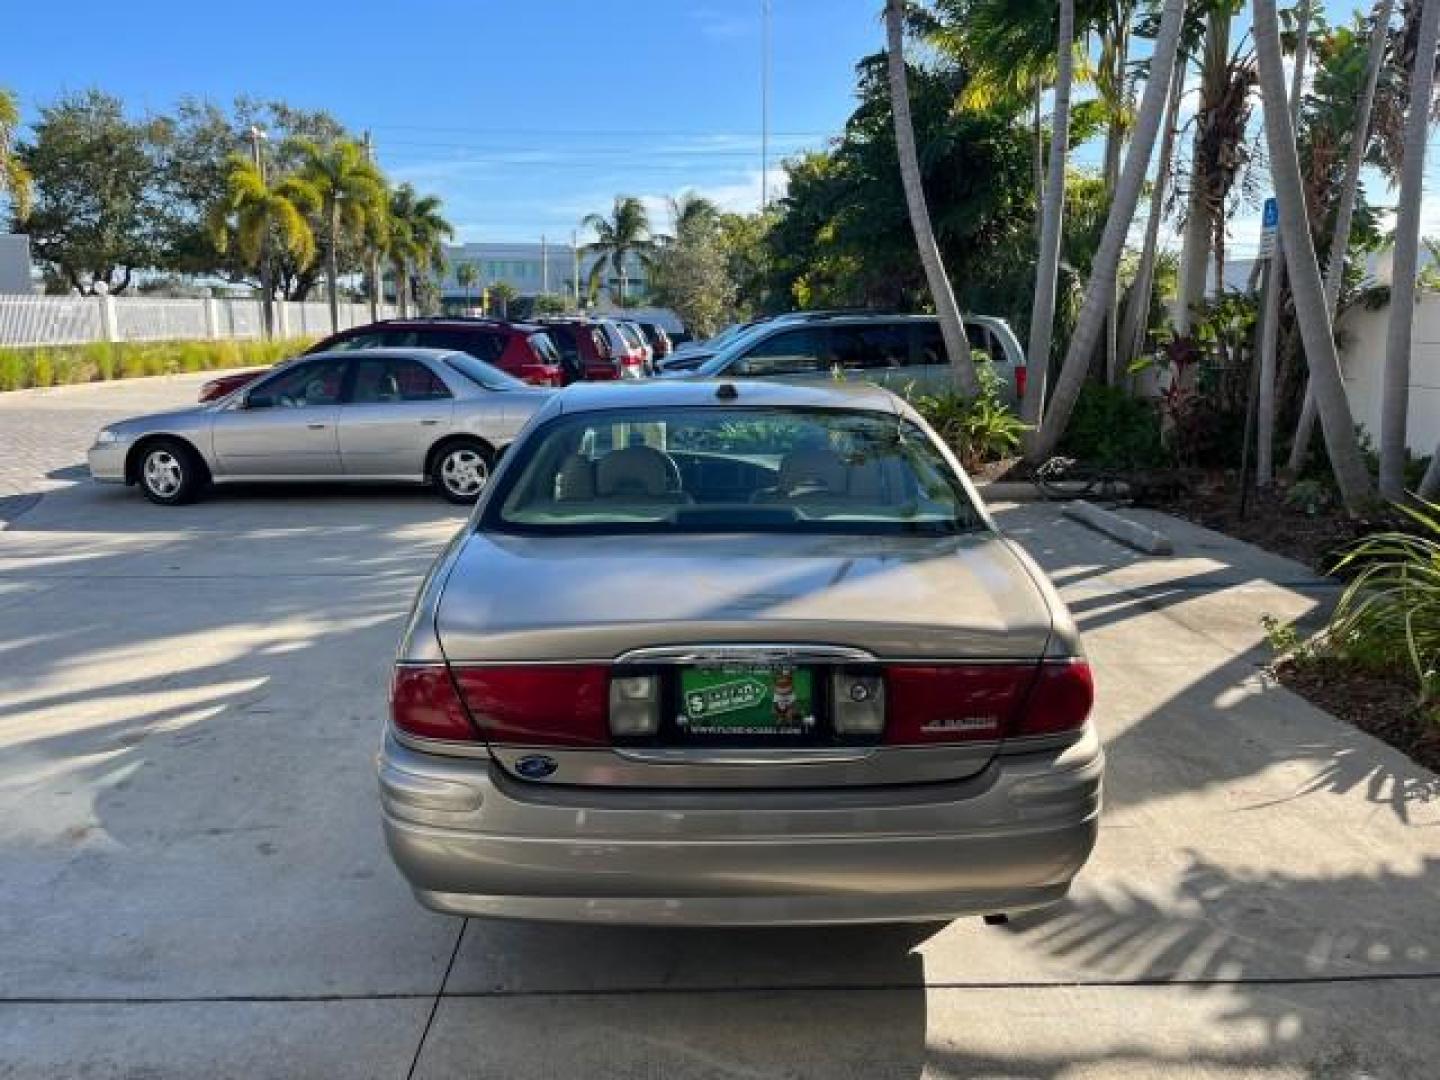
747, 699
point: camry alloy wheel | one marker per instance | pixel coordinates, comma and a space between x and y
163, 473
464, 472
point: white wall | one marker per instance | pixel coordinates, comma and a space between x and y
15, 264
1362, 359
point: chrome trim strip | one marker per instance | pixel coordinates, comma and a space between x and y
443, 747
813, 755
723, 652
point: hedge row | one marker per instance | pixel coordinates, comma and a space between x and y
60, 365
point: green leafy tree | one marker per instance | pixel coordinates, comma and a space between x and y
625, 233
466, 276
14, 179
97, 207
744, 239
692, 215
502, 295
692, 276
260, 219
352, 197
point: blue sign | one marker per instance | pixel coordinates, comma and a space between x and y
1271, 218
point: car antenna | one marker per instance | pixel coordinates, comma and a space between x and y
726, 392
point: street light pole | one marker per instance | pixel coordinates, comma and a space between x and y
267, 290
764, 104
376, 287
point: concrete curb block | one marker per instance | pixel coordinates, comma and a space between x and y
1130, 533
1009, 491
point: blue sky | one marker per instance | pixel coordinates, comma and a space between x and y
524, 117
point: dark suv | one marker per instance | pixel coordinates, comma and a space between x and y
524, 351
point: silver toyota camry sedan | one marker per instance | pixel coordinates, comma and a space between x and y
408, 415
723, 653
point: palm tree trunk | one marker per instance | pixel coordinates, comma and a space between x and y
1395, 389
1199, 220
1314, 320
375, 285
1106, 267
1344, 214
267, 287
1275, 282
1037, 159
1137, 311
332, 266
1047, 265
952, 329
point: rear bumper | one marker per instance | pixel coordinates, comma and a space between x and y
473, 841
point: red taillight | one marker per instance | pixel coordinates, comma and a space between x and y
544, 704
1022, 376
424, 702
985, 702
954, 702
1060, 700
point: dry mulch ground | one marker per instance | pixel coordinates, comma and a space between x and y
1382, 705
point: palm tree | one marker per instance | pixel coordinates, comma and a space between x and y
1395, 388
466, 275
692, 215
952, 329
417, 230
1106, 267
1047, 264
14, 180
1310, 312
1344, 215
254, 214
502, 293
352, 197
626, 232
1269, 324
429, 230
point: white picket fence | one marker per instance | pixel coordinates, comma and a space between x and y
77, 320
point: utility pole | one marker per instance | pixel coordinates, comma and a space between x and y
376, 288
764, 104
267, 291
575, 250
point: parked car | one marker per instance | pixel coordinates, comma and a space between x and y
636, 339
658, 340
622, 345
903, 352
409, 415
522, 350
583, 347
808, 682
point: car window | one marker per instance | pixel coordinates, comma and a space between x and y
482, 374
737, 469
870, 345
792, 352
389, 380
930, 346
359, 341
304, 386
545, 348
481, 344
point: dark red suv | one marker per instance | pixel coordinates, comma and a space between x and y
583, 347
519, 349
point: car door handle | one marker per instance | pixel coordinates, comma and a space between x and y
429, 423
316, 427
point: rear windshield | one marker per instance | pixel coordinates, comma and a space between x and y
482, 374
545, 348
719, 470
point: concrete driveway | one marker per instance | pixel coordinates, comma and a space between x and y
192, 879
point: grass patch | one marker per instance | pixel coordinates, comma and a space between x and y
63, 365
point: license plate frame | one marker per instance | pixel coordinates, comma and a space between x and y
764, 701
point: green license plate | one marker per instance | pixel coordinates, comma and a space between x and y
747, 699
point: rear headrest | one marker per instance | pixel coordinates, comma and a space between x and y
634, 471
815, 463
575, 482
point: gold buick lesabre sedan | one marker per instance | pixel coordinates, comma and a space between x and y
737, 653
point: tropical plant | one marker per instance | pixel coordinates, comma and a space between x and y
502, 294
1114, 429
466, 276
692, 215
352, 197
1389, 613
1104, 276
1395, 385
416, 230
952, 329
1314, 320
624, 234
254, 216
14, 179
982, 428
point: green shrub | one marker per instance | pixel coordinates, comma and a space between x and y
1111, 429
57, 365
979, 429
1389, 614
